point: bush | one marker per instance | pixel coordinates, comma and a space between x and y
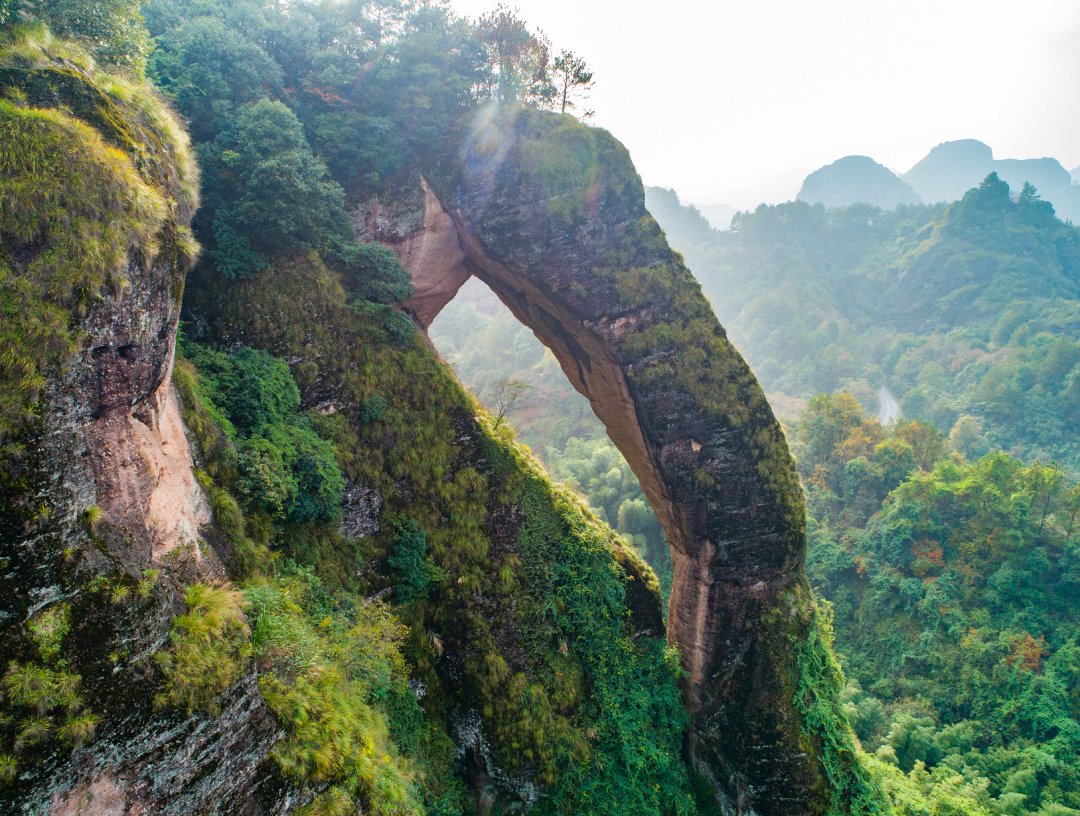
259, 169
323, 660
283, 467
113, 29
408, 558
265, 481
374, 272
373, 409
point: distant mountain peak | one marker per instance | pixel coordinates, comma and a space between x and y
855, 179
948, 171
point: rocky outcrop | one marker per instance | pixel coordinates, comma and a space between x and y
100, 513
550, 215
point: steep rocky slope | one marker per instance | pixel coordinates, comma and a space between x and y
551, 216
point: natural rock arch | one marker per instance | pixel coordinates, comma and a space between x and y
550, 215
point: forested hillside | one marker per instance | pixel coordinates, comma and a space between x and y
262, 553
956, 590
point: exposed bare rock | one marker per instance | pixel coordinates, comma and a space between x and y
360, 508
177, 766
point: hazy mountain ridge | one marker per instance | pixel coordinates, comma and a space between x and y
943, 175
949, 305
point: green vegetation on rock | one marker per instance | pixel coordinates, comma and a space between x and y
208, 648
535, 710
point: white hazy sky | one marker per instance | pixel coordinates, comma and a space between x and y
715, 97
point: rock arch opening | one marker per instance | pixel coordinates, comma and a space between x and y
503, 363
550, 216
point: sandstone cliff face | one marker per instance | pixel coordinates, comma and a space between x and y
99, 494
551, 216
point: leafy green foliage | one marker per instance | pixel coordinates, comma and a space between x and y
112, 30
601, 474
211, 70
321, 675
375, 273
408, 559
954, 585
258, 168
48, 630
853, 788
283, 466
633, 766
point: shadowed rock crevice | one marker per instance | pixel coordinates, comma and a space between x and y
550, 215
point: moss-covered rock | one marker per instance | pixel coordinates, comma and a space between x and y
97, 173
99, 510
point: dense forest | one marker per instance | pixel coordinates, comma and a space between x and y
954, 585
430, 623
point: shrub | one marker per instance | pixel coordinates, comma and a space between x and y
78, 730
374, 272
40, 689
283, 466
9, 769
113, 29
92, 517
408, 558
265, 481
319, 672
48, 630
373, 409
